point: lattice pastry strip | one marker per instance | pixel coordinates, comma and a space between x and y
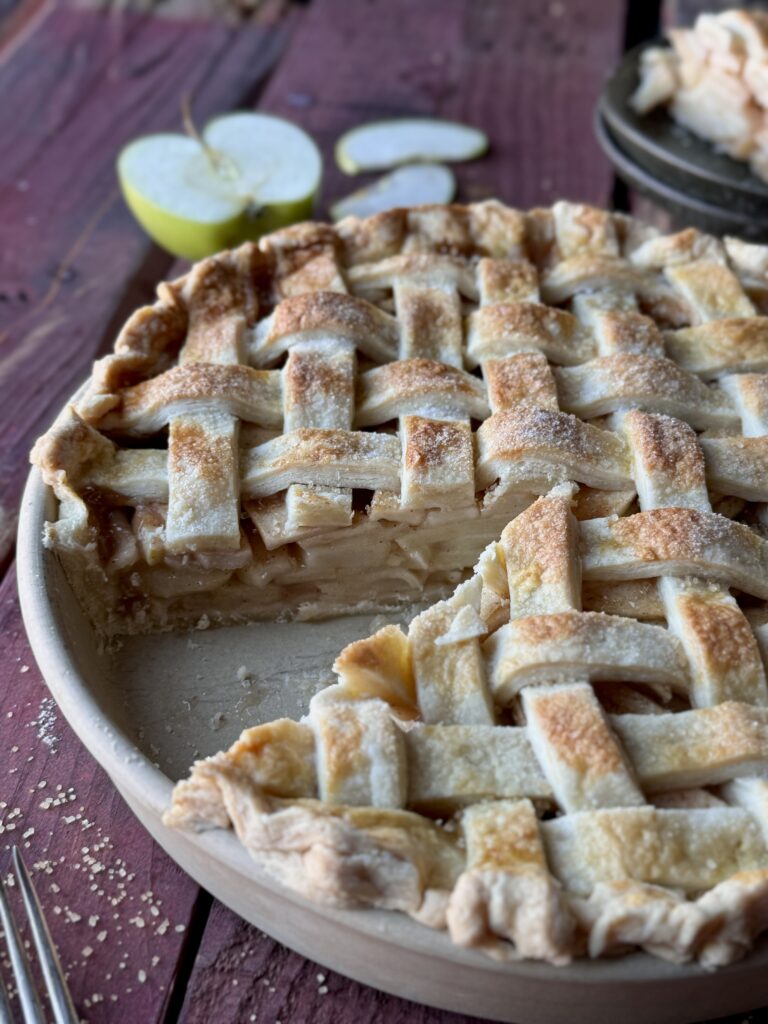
318, 392
721, 649
203, 474
353, 753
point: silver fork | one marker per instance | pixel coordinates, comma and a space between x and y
58, 993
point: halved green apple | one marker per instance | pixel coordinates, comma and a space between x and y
252, 174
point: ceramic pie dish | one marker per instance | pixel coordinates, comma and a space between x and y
555, 423
682, 201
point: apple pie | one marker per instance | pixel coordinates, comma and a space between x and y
569, 754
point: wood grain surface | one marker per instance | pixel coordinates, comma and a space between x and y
142, 943
117, 906
517, 70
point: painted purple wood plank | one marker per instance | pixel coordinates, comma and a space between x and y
242, 975
117, 906
527, 72
73, 263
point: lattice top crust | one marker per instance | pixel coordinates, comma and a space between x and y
570, 753
442, 358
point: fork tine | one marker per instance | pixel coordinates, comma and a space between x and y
5, 1006
61, 1001
30, 1004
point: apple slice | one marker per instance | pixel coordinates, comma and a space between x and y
382, 145
250, 174
411, 185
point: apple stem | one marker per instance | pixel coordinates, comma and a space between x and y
191, 129
222, 165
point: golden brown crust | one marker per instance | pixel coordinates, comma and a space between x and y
583, 743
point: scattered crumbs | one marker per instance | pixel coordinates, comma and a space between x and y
323, 990
180, 928
142, 976
216, 720
320, 979
24, 668
87, 950
244, 675
101, 935
93, 920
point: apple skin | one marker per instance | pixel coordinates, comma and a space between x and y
194, 240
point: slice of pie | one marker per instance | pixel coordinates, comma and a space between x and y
714, 80
569, 754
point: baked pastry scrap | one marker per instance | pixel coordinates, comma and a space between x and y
342, 418
714, 80
540, 777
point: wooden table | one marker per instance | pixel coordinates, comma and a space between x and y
142, 942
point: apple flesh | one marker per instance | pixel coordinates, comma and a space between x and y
382, 145
255, 174
410, 185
